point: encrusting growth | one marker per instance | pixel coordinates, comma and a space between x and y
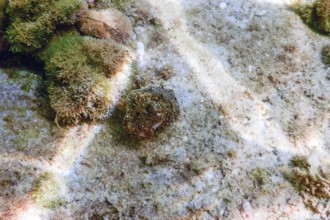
149, 109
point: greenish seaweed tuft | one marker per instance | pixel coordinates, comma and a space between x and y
300, 162
78, 70
33, 22
260, 176
316, 15
3, 19
2, 13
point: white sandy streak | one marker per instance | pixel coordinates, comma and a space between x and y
221, 86
70, 151
72, 148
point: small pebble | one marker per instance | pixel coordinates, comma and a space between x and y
223, 5
261, 13
293, 202
252, 68
246, 210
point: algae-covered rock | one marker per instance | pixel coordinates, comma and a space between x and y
101, 4
322, 8
78, 70
300, 162
47, 191
316, 15
149, 109
3, 42
109, 23
2, 13
326, 55
33, 22
313, 186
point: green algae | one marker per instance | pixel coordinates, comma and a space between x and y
33, 22
300, 162
316, 15
117, 131
78, 70
25, 79
47, 190
326, 55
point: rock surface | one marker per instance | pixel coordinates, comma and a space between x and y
253, 93
109, 23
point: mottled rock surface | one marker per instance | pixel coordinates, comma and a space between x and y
252, 91
109, 23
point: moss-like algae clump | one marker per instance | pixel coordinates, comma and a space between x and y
149, 109
79, 69
316, 15
3, 43
300, 162
260, 176
33, 22
2, 13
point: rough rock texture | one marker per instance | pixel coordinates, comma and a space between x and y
253, 93
109, 23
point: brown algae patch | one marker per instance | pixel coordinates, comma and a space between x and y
148, 110
312, 185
